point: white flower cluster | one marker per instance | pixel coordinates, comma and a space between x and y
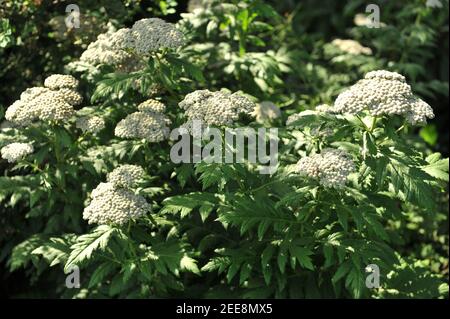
114, 205
125, 175
114, 202
59, 81
91, 124
150, 126
215, 108
16, 151
152, 106
146, 36
102, 51
266, 111
54, 102
331, 167
149, 35
383, 92
351, 47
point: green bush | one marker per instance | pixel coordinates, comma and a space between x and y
360, 179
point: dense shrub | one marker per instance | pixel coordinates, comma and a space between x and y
360, 179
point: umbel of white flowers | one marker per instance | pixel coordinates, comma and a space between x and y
215, 108
90, 124
331, 167
149, 123
383, 93
16, 151
113, 202
125, 175
53, 102
125, 48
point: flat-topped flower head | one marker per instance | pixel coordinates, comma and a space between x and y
16, 151
53, 106
122, 39
21, 113
90, 124
112, 205
71, 96
331, 167
152, 127
215, 108
33, 92
383, 93
103, 51
59, 81
54, 102
153, 34
152, 106
125, 176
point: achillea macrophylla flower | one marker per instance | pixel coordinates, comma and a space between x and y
114, 205
90, 124
144, 125
16, 151
153, 34
122, 39
20, 113
70, 96
52, 106
54, 102
32, 93
331, 167
152, 106
383, 92
102, 51
215, 108
59, 81
266, 111
125, 176
351, 47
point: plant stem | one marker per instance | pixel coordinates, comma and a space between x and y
362, 122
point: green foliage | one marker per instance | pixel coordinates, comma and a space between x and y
225, 230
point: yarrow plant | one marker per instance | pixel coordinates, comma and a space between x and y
89, 180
